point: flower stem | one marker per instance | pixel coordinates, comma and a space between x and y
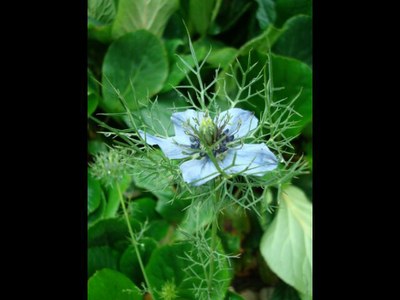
214, 227
134, 242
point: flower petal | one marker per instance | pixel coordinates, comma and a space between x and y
250, 159
241, 121
186, 117
198, 171
169, 146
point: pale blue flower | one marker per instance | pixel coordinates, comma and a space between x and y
197, 136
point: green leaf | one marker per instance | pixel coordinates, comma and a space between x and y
93, 100
287, 244
129, 264
101, 257
286, 9
198, 215
200, 13
229, 13
112, 285
262, 42
296, 41
157, 229
137, 66
233, 296
113, 201
158, 115
219, 55
143, 209
92, 93
94, 193
284, 292
167, 273
98, 213
220, 58
172, 211
151, 180
111, 232
292, 77
95, 146
101, 14
151, 15
168, 205
295, 77
101, 10
265, 14
178, 70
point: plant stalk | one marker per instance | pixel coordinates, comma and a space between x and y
134, 242
214, 227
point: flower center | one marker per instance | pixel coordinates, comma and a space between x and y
216, 139
207, 131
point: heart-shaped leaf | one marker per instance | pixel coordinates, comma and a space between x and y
287, 243
112, 285
136, 65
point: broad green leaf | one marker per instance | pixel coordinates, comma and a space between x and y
101, 257
270, 35
152, 180
113, 201
172, 211
143, 209
197, 216
111, 232
175, 28
292, 77
101, 14
295, 77
220, 58
285, 292
129, 264
93, 100
157, 229
266, 14
98, 213
233, 296
296, 41
151, 15
229, 13
137, 66
169, 206
114, 232
94, 193
99, 32
200, 13
219, 55
178, 70
95, 146
287, 244
262, 42
101, 10
112, 285
158, 114
286, 9
169, 270
92, 93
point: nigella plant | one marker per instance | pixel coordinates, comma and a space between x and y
220, 155
214, 146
